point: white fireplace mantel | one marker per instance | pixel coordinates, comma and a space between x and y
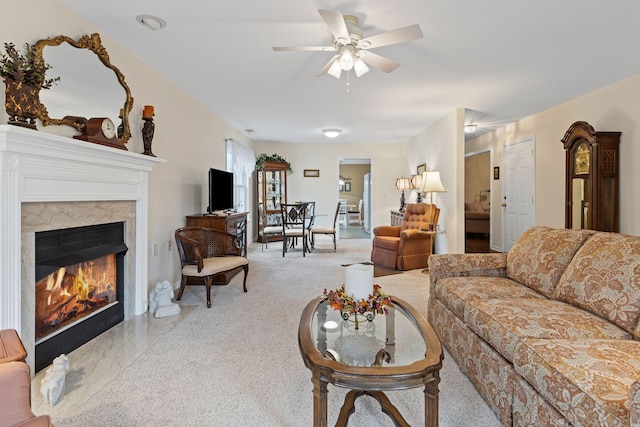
40, 167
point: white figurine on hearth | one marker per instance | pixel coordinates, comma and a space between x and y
52, 384
160, 300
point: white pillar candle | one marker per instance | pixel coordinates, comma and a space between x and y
358, 281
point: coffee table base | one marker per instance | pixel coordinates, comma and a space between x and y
349, 407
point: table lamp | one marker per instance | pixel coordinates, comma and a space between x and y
416, 183
431, 184
403, 184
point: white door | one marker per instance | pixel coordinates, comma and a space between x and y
518, 190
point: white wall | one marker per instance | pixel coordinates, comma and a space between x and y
441, 147
613, 108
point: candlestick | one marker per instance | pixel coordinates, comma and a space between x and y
358, 281
147, 135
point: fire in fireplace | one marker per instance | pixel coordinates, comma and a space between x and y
79, 287
74, 292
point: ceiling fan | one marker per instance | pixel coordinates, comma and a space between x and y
353, 49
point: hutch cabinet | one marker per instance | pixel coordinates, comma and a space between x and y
272, 192
592, 175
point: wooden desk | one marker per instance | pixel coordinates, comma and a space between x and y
235, 223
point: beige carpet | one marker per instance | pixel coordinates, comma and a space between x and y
238, 363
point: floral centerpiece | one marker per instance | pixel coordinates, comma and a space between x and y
24, 75
262, 158
377, 303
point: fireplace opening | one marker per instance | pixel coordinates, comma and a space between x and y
79, 287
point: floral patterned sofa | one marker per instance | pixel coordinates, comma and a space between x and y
549, 333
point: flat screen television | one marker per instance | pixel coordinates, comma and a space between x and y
220, 190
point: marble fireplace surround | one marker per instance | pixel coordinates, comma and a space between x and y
50, 182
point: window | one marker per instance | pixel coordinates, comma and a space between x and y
242, 162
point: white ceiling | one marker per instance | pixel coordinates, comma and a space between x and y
500, 59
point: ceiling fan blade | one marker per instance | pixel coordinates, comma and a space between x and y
380, 62
401, 35
326, 67
335, 22
303, 48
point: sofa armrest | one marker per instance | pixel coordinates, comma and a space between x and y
456, 265
634, 404
387, 230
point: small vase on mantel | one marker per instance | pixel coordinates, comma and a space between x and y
22, 102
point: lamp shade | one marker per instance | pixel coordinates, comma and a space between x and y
403, 184
431, 182
416, 181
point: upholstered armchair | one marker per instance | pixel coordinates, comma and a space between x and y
404, 247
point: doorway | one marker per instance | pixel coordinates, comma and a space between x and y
477, 201
354, 192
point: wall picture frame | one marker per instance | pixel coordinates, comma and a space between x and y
312, 173
421, 168
347, 187
496, 172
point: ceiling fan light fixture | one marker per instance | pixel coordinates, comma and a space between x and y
331, 133
346, 58
360, 67
335, 70
152, 22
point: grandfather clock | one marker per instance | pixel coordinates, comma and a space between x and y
591, 188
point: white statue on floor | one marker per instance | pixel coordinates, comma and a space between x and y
160, 300
52, 384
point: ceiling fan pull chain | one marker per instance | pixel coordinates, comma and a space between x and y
348, 81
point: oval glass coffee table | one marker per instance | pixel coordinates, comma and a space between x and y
396, 351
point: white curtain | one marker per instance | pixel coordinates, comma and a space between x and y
242, 162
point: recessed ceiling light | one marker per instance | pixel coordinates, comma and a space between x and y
152, 22
331, 133
249, 131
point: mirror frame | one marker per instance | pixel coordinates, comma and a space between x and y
93, 43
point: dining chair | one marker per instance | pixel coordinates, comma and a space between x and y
206, 252
356, 215
326, 231
343, 212
294, 226
265, 230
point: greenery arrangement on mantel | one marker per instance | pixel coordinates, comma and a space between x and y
25, 67
262, 158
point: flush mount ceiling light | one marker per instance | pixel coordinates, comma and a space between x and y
470, 128
331, 133
152, 22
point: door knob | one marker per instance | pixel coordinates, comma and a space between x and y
504, 205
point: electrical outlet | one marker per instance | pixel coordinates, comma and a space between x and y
169, 245
155, 249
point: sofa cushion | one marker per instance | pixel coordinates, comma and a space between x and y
453, 292
588, 381
503, 323
604, 278
541, 255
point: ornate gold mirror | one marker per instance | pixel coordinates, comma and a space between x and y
86, 88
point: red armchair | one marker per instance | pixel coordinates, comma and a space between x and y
404, 247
